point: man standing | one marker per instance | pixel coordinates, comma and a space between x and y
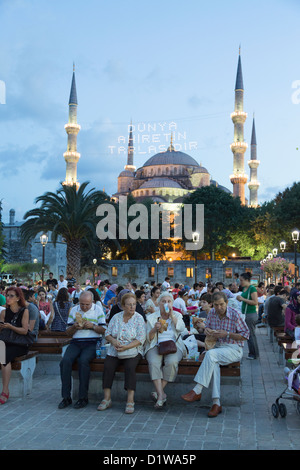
51, 280
86, 324
224, 324
62, 282
276, 308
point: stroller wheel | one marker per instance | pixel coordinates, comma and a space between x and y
282, 410
275, 410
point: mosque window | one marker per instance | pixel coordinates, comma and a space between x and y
114, 271
228, 273
189, 272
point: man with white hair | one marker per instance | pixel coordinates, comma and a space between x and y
86, 325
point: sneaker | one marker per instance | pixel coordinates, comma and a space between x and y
251, 357
81, 403
64, 403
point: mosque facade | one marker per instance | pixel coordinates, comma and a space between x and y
169, 176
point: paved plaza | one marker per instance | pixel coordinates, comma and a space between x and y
35, 423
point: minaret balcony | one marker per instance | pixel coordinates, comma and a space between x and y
239, 147
238, 178
72, 128
71, 156
238, 116
253, 163
253, 185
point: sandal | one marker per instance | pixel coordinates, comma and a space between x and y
154, 396
160, 404
129, 408
104, 405
5, 396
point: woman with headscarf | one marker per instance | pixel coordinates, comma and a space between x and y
118, 306
111, 292
291, 311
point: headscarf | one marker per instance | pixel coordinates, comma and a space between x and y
120, 295
113, 288
294, 305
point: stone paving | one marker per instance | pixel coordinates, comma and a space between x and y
35, 423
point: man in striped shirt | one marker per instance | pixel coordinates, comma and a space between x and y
226, 325
86, 325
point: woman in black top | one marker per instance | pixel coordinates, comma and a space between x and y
15, 303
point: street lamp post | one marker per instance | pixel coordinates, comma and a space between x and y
223, 273
282, 245
295, 238
157, 261
44, 241
196, 238
94, 262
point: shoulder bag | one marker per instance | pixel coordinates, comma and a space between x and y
167, 347
9, 336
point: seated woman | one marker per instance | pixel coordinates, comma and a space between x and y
110, 293
44, 307
164, 368
15, 304
60, 308
291, 311
151, 304
126, 334
118, 306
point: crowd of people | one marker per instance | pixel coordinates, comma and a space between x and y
159, 322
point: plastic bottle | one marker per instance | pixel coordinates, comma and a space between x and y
167, 309
98, 349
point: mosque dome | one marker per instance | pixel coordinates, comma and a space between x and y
171, 157
201, 169
160, 183
126, 173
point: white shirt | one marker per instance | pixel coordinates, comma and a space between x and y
61, 284
180, 304
94, 315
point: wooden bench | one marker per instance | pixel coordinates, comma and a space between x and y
186, 367
23, 367
52, 334
230, 380
50, 351
289, 349
50, 345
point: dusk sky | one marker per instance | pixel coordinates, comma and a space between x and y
166, 65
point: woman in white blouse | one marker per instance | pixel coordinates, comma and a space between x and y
151, 305
164, 368
126, 333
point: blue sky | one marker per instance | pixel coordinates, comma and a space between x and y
153, 62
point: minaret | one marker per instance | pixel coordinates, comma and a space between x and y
72, 128
130, 166
239, 147
253, 184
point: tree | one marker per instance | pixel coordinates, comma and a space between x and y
222, 214
69, 213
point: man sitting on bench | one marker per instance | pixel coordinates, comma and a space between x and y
87, 323
225, 325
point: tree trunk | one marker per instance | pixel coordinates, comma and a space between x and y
74, 258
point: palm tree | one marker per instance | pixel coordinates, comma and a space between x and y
69, 213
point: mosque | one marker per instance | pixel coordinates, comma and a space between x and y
169, 176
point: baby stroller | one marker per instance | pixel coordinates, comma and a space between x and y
291, 392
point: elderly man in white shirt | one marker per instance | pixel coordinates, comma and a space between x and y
86, 325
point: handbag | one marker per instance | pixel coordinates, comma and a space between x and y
167, 347
128, 353
11, 337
